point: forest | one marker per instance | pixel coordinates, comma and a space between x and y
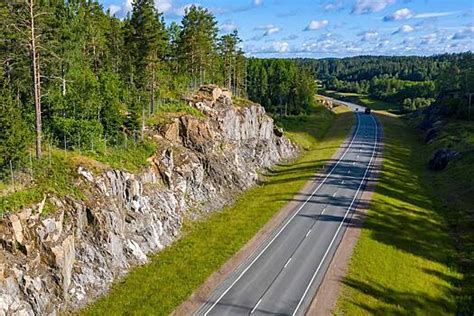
280, 85
410, 81
76, 77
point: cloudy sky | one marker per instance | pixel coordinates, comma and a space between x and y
335, 28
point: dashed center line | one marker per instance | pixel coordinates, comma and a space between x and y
286, 264
309, 231
334, 194
348, 172
324, 209
342, 182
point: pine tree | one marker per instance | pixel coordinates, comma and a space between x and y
197, 44
13, 131
148, 42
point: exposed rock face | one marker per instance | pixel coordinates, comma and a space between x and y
66, 259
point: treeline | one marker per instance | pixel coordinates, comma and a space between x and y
411, 68
281, 85
412, 81
76, 76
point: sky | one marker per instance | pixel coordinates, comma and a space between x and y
334, 28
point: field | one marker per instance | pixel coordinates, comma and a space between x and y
172, 275
405, 261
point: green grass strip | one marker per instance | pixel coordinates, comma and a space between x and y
403, 263
172, 275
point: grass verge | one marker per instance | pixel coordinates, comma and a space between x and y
173, 274
405, 260
56, 174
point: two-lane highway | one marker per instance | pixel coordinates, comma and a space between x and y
282, 276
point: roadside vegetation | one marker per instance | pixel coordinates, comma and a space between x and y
362, 99
29, 180
414, 254
173, 274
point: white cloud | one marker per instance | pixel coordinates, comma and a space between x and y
163, 6
434, 14
263, 27
369, 6
369, 36
467, 32
316, 25
114, 9
257, 2
333, 5
401, 14
292, 37
127, 6
404, 29
429, 39
281, 46
271, 31
228, 27
383, 44
276, 47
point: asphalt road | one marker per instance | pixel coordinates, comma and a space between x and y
282, 276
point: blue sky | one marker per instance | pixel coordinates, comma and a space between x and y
335, 28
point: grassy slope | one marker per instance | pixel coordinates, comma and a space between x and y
454, 190
404, 261
172, 275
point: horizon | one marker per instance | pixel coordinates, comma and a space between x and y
334, 28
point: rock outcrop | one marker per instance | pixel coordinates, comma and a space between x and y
441, 158
62, 261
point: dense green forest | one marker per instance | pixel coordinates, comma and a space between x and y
76, 77
280, 85
410, 81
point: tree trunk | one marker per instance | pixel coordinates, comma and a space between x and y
36, 79
152, 101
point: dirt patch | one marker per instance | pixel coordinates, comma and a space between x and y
200, 296
328, 292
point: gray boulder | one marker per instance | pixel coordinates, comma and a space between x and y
441, 158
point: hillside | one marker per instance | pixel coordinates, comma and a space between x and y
67, 256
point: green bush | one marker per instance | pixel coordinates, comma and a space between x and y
72, 133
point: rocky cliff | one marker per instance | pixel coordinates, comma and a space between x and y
64, 260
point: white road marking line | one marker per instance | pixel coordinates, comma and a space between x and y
324, 210
253, 310
340, 225
287, 263
334, 194
342, 182
309, 231
353, 163
286, 224
348, 172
